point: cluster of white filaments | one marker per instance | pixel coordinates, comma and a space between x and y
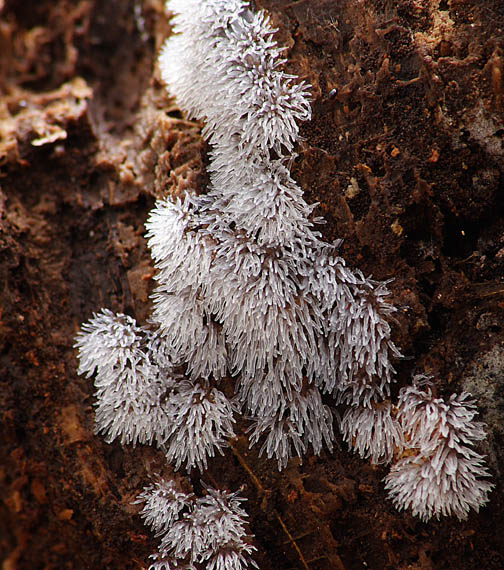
441, 474
247, 289
208, 529
245, 285
140, 398
374, 432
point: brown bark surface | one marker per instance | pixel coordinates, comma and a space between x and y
405, 156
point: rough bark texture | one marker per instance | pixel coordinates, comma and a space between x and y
405, 155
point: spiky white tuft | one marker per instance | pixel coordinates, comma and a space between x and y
201, 420
445, 476
374, 432
130, 385
209, 529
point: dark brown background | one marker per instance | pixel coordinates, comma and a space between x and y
406, 160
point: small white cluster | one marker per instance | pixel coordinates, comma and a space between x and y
163, 504
356, 361
441, 473
224, 62
295, 424
129, 386
436, 470
374, 432
201, 421
141, 400
209, 529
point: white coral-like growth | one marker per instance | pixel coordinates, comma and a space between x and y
374, 432
163, 503
130, 385
214, 527
445, 476
223, 61
245, 284
201, 420
209, 529
270, 331
109, 341
245, 287
184, 256
356, 361
141, 400
294, 425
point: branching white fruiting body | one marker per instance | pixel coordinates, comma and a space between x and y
209, 529
163, 504
445, 476
374, 432
129, 385
247, 288
141, 400
241, 271
201, 420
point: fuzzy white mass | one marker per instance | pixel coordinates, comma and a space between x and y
442, 474
374, 432
303, 420
356, 359
141, 400
201, 421
245, 285
209, 529
163, 503
247, 289
224, 62
129, 385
